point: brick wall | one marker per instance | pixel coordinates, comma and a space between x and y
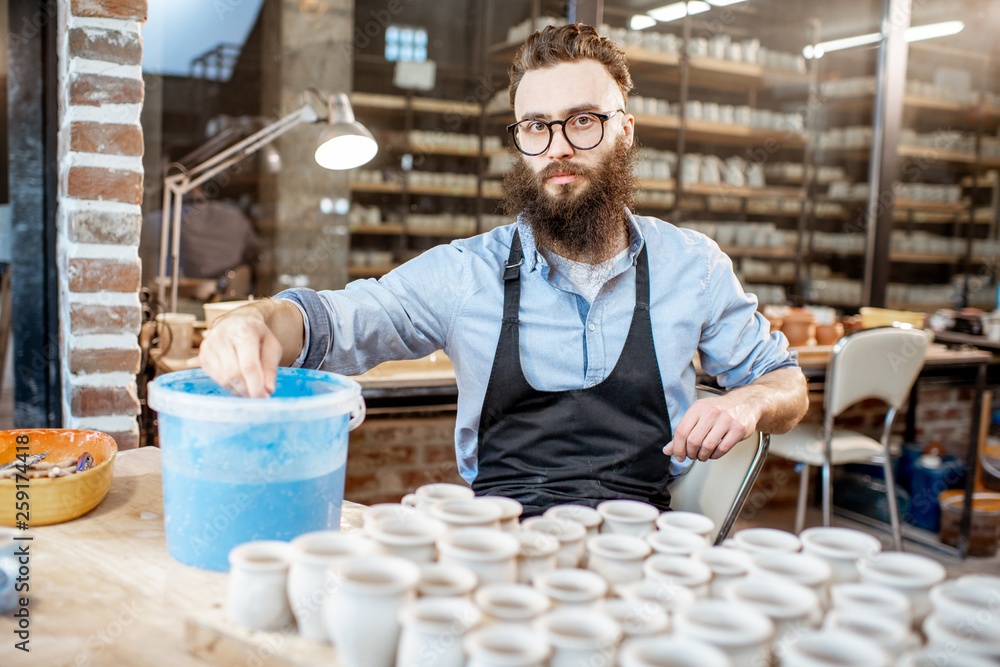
98, 216
390, 456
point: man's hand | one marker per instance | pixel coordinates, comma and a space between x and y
711, 427
243, 349
774, 403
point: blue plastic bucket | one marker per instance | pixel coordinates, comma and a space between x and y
240, 469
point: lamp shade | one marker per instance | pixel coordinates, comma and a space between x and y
345, 143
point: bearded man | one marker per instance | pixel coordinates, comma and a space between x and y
573, 330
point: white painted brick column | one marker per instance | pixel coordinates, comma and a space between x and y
98, 215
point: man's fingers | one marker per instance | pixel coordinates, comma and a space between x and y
270, 356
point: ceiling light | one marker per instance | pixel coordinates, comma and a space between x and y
641, 22
678, 10
912, 34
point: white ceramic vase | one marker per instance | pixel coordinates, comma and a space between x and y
570, 534
428, 494
679, 570
362, 614
312, 574
691, 522
516, 604
637, 619
446, 581
580, 637
588, 517
257, 596
630, 517
536, 555
834, 648
414, 537
727, 565
802, 568
510, 512
766, 540
887, 632
433, 630
911, 574
737, 630
841, 548
671, 597
792, 607
871, 598
674, 651
466, 513
572, 587
672, 541
502, 645
617, 558
490, 553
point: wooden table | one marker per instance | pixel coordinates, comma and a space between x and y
104, 590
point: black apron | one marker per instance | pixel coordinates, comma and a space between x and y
581, 446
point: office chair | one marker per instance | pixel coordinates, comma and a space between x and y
718, 488
880, 363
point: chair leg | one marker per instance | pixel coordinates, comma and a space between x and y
890, 481
827, 492
800, 505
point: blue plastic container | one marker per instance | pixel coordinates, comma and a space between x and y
931, 475
240, 469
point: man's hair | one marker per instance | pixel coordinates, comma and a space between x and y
567, 44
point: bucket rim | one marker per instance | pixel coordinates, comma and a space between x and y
164, 398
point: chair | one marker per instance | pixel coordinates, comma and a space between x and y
718, 488
880, 363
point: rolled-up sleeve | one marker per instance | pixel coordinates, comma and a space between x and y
737, 346
406, 314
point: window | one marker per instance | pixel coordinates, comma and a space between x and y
405, 43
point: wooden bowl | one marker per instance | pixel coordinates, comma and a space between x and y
61, 498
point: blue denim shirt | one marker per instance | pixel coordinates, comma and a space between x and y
451, 298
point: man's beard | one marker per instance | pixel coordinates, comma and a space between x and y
585, 225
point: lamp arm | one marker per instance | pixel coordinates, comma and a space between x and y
178, 185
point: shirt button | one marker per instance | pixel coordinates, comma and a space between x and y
591, 326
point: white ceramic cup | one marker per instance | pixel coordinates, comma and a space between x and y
810, 571
630, 517
580, 637
727, 565
834, 648
178, 334
511, 603
537, 554
910, 574
737, 630
413, 538
672, 598
676, 542
500, 645
510, 511
692, 522
313, 571
637, 619
451, 580
766, 540
841, 548
362, 614
974, 640
792, 607
569, 533
617, 558
256, 596
572, 587
466, 513
427, 494
432, 632
672, 651
963, 603
871, 598
380, 511
935, 657
679, 570
885, 631
587, 516
489, 552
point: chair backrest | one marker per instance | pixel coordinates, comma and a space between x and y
880, 363
718, 488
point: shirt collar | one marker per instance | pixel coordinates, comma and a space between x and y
533, 258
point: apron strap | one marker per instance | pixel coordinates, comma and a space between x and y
512, 281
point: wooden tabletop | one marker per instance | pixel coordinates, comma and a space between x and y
104, 590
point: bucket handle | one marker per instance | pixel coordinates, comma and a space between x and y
357, 415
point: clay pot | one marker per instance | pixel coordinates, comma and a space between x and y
776, 323
828, 334
799, 326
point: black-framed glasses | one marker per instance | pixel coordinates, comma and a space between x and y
583, 131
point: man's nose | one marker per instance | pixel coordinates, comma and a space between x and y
560, 148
